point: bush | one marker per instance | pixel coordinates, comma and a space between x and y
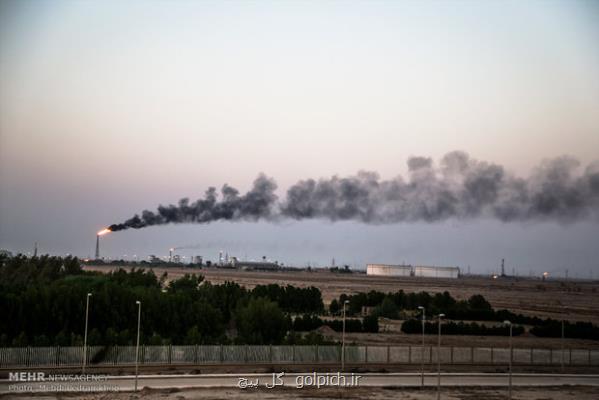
460, 328
370, 324
306, 322
578, 330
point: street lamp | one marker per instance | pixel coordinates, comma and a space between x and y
137, 346
422, 348
508, 323
439, 358
562, 342
85, 335
346, 302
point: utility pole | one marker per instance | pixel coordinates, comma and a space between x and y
422, 348
510, 365
85, 335
345, 303
439, 358
137, 346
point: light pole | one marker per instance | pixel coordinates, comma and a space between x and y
346, 302
562, 342
137, 346
439, 358
85, 334
508, 323
422, 348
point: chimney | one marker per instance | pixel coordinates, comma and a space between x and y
97, 247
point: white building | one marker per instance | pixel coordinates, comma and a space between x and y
388, 270
436, 272
408, 270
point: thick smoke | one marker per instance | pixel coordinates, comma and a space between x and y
460, 187
254, 205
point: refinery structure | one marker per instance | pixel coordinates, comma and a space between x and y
410, 270
227, 261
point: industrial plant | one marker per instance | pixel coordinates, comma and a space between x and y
410, 270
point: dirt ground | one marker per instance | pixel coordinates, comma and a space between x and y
546, 393
571, 300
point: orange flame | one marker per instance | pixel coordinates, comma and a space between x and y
103, 232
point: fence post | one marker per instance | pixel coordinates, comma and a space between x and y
293, 355
170, 353
570, 357
245, 354
451, 355
57, 356
492, 356
28, 360
410, 355
430, 354
532, 356
589, 356
196, 355
511, 354
270, 353
471, 355
366, 354
221, 354
388, 355
316, 351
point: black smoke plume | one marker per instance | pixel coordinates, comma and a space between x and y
459, 187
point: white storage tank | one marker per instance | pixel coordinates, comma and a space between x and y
388, 270
436, 272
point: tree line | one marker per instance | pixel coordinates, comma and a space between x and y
43, 300
401, 305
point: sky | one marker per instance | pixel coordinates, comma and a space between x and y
108, 108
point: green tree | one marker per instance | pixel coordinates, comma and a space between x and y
261, 321
334, 307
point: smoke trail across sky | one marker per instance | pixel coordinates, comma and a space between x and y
459, 187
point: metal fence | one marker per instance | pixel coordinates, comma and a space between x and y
198, 355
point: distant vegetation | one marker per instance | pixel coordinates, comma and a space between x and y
307, 322
400, 305
460, 328
43, 303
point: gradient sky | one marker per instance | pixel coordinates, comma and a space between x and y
111, 107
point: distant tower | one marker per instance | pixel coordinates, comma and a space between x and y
35, 249
97, 247
220, 258
502, 267
170, 254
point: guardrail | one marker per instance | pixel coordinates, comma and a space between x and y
244, 354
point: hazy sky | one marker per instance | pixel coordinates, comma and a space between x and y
108, 108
